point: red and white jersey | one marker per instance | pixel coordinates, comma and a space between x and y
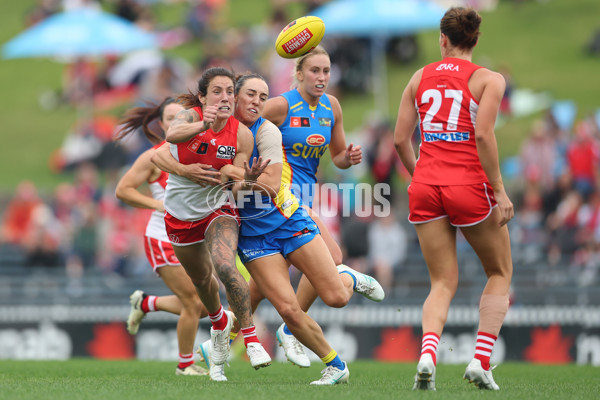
186, 200
156, 224
447, 111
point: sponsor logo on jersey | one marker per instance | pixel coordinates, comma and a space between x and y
299, 122
252, 253
447, 67
301, 233
325, 121
446, 136
226, 152
297, 42
315, 140
287, 203
213, 142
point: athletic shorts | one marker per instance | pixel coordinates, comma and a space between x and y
464, 205
185, 233
159, 253
294, 233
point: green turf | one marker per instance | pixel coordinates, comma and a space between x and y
123, 380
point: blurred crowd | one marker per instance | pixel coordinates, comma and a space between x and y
554, 182
557, 194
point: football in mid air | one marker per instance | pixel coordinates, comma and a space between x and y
300, 36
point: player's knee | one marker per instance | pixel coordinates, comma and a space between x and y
290, 314
337, 257
194, 307
202, 280
335, 300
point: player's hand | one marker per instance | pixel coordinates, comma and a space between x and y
258, 167
202, 174
505, 206
160, 206
209, 114
353, 154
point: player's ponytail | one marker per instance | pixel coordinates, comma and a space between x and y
143, 117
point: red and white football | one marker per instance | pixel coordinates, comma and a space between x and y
300, 36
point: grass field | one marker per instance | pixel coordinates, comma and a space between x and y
136, 380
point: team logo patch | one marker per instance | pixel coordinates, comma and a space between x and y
198, 147
173, 238
315, 140
325, 121
299, 122
226, 152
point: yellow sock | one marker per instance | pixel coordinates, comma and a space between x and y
329, 357
232, 336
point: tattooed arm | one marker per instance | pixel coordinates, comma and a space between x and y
197, 173
187, 124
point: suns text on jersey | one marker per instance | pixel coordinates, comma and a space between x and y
304, 151
446, 136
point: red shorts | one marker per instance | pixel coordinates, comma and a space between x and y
465, 205
159, 253
183, 233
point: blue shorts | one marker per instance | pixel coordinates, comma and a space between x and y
294, 233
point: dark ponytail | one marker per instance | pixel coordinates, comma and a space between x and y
142, 117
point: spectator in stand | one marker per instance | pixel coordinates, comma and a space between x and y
128, 9
539, 157
43, 241
562, 227
583, 158
19, 213
42, 10
382, 158
387, 249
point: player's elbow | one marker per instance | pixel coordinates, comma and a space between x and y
483, 136
120, 192
172, 136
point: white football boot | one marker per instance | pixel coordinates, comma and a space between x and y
217, 373
425, 377
478, 376
332, 376
204, 351
365, 284
191, 370
257, 355
136, 315
293, 349
219, 341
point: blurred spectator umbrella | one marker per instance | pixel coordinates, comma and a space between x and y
379, 20
79, 33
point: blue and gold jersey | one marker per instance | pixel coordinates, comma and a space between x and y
306, 134
261, 214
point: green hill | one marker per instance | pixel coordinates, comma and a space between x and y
542, 42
